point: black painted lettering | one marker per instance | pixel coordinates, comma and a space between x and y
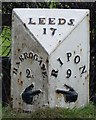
31, 21
77, 59
31, 54
28, 73
25, 55
40, 61
42, 21
71, 22
62, 21
51, 21
83, 69
36, 57
54, 73
44, 73
43, 67
69, 72
53, 30
44, 30
59, 60
15, 71
21, 58
68, 56
18, 64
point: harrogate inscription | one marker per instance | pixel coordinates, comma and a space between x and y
34, 57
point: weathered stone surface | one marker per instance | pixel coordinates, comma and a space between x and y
50, 58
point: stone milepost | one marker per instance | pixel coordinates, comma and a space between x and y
50, 58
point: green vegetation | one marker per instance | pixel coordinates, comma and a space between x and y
0, 110
5, 41
88, 111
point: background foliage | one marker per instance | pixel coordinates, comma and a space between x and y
5, 42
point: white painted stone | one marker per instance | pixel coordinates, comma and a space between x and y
62, 47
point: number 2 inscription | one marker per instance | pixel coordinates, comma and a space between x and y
28, 73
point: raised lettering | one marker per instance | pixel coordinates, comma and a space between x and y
53, 30
25, 55
59, 60
28, 73
15, 70
40, 61
43, 67
54, 73
62, 21
21, 58
68, 73
18, 64
71, 21
36, 57
83, 69
68, 56
44, 73
77, 59
42, 21
31, 21
51, 21
31, 54
44, 30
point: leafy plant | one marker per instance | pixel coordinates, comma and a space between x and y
5, 42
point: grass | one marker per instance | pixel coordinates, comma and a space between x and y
88, 111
